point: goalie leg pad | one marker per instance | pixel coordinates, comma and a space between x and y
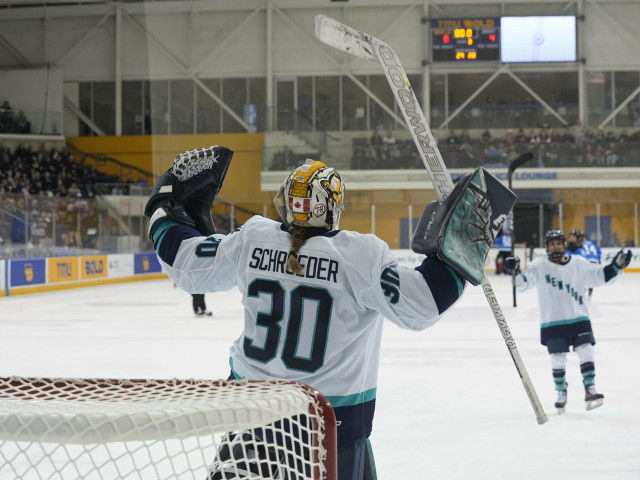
461, 229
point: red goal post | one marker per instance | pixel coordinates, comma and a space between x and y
60, 428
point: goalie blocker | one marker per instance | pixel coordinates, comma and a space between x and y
187, 190
461, 229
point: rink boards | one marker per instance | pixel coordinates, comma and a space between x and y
32, 275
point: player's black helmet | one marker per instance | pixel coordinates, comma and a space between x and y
578, 233
572, 246
555, 234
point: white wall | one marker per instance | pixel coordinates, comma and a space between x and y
35, 92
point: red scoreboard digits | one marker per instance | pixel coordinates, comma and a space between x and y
465, 39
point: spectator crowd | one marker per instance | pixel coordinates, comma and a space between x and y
568, 147
48, 204
49, 172
47, 201
36, 225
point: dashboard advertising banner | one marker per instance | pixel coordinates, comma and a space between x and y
120, 265
63, 269
146, 263
93, 267
27, 272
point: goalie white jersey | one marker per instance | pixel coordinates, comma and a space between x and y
322, 328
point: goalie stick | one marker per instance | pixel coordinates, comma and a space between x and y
366, 46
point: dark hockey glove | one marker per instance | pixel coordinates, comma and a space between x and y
621, 260
186, 191
512, 265
461, 229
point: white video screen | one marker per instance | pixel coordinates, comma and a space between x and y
538, 39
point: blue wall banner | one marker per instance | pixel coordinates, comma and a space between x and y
27, 272
146, 263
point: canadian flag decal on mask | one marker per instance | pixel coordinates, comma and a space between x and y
299, 205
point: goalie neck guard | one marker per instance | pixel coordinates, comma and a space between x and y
311, 196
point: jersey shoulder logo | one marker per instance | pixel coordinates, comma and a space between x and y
390, 283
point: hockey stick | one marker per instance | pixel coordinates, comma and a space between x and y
365, 46
518, 162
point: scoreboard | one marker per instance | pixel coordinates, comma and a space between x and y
465, 40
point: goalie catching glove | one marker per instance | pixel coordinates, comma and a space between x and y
461, 229
186, 191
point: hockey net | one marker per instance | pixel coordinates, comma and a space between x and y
106, 429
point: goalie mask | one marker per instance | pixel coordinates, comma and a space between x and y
312, 196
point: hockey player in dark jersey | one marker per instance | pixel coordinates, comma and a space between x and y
561, 280
314, 296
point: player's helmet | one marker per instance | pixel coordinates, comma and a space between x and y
554, 234
572, 246
578, 233
312, 196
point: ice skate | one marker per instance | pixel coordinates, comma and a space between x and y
561, 401
593, 398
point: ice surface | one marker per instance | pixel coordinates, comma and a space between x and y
450, 402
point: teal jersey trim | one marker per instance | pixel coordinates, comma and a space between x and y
159, 229
458, 281
564, 322
337, 401
233, 372
354, 399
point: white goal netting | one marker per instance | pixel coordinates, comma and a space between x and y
106, 429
